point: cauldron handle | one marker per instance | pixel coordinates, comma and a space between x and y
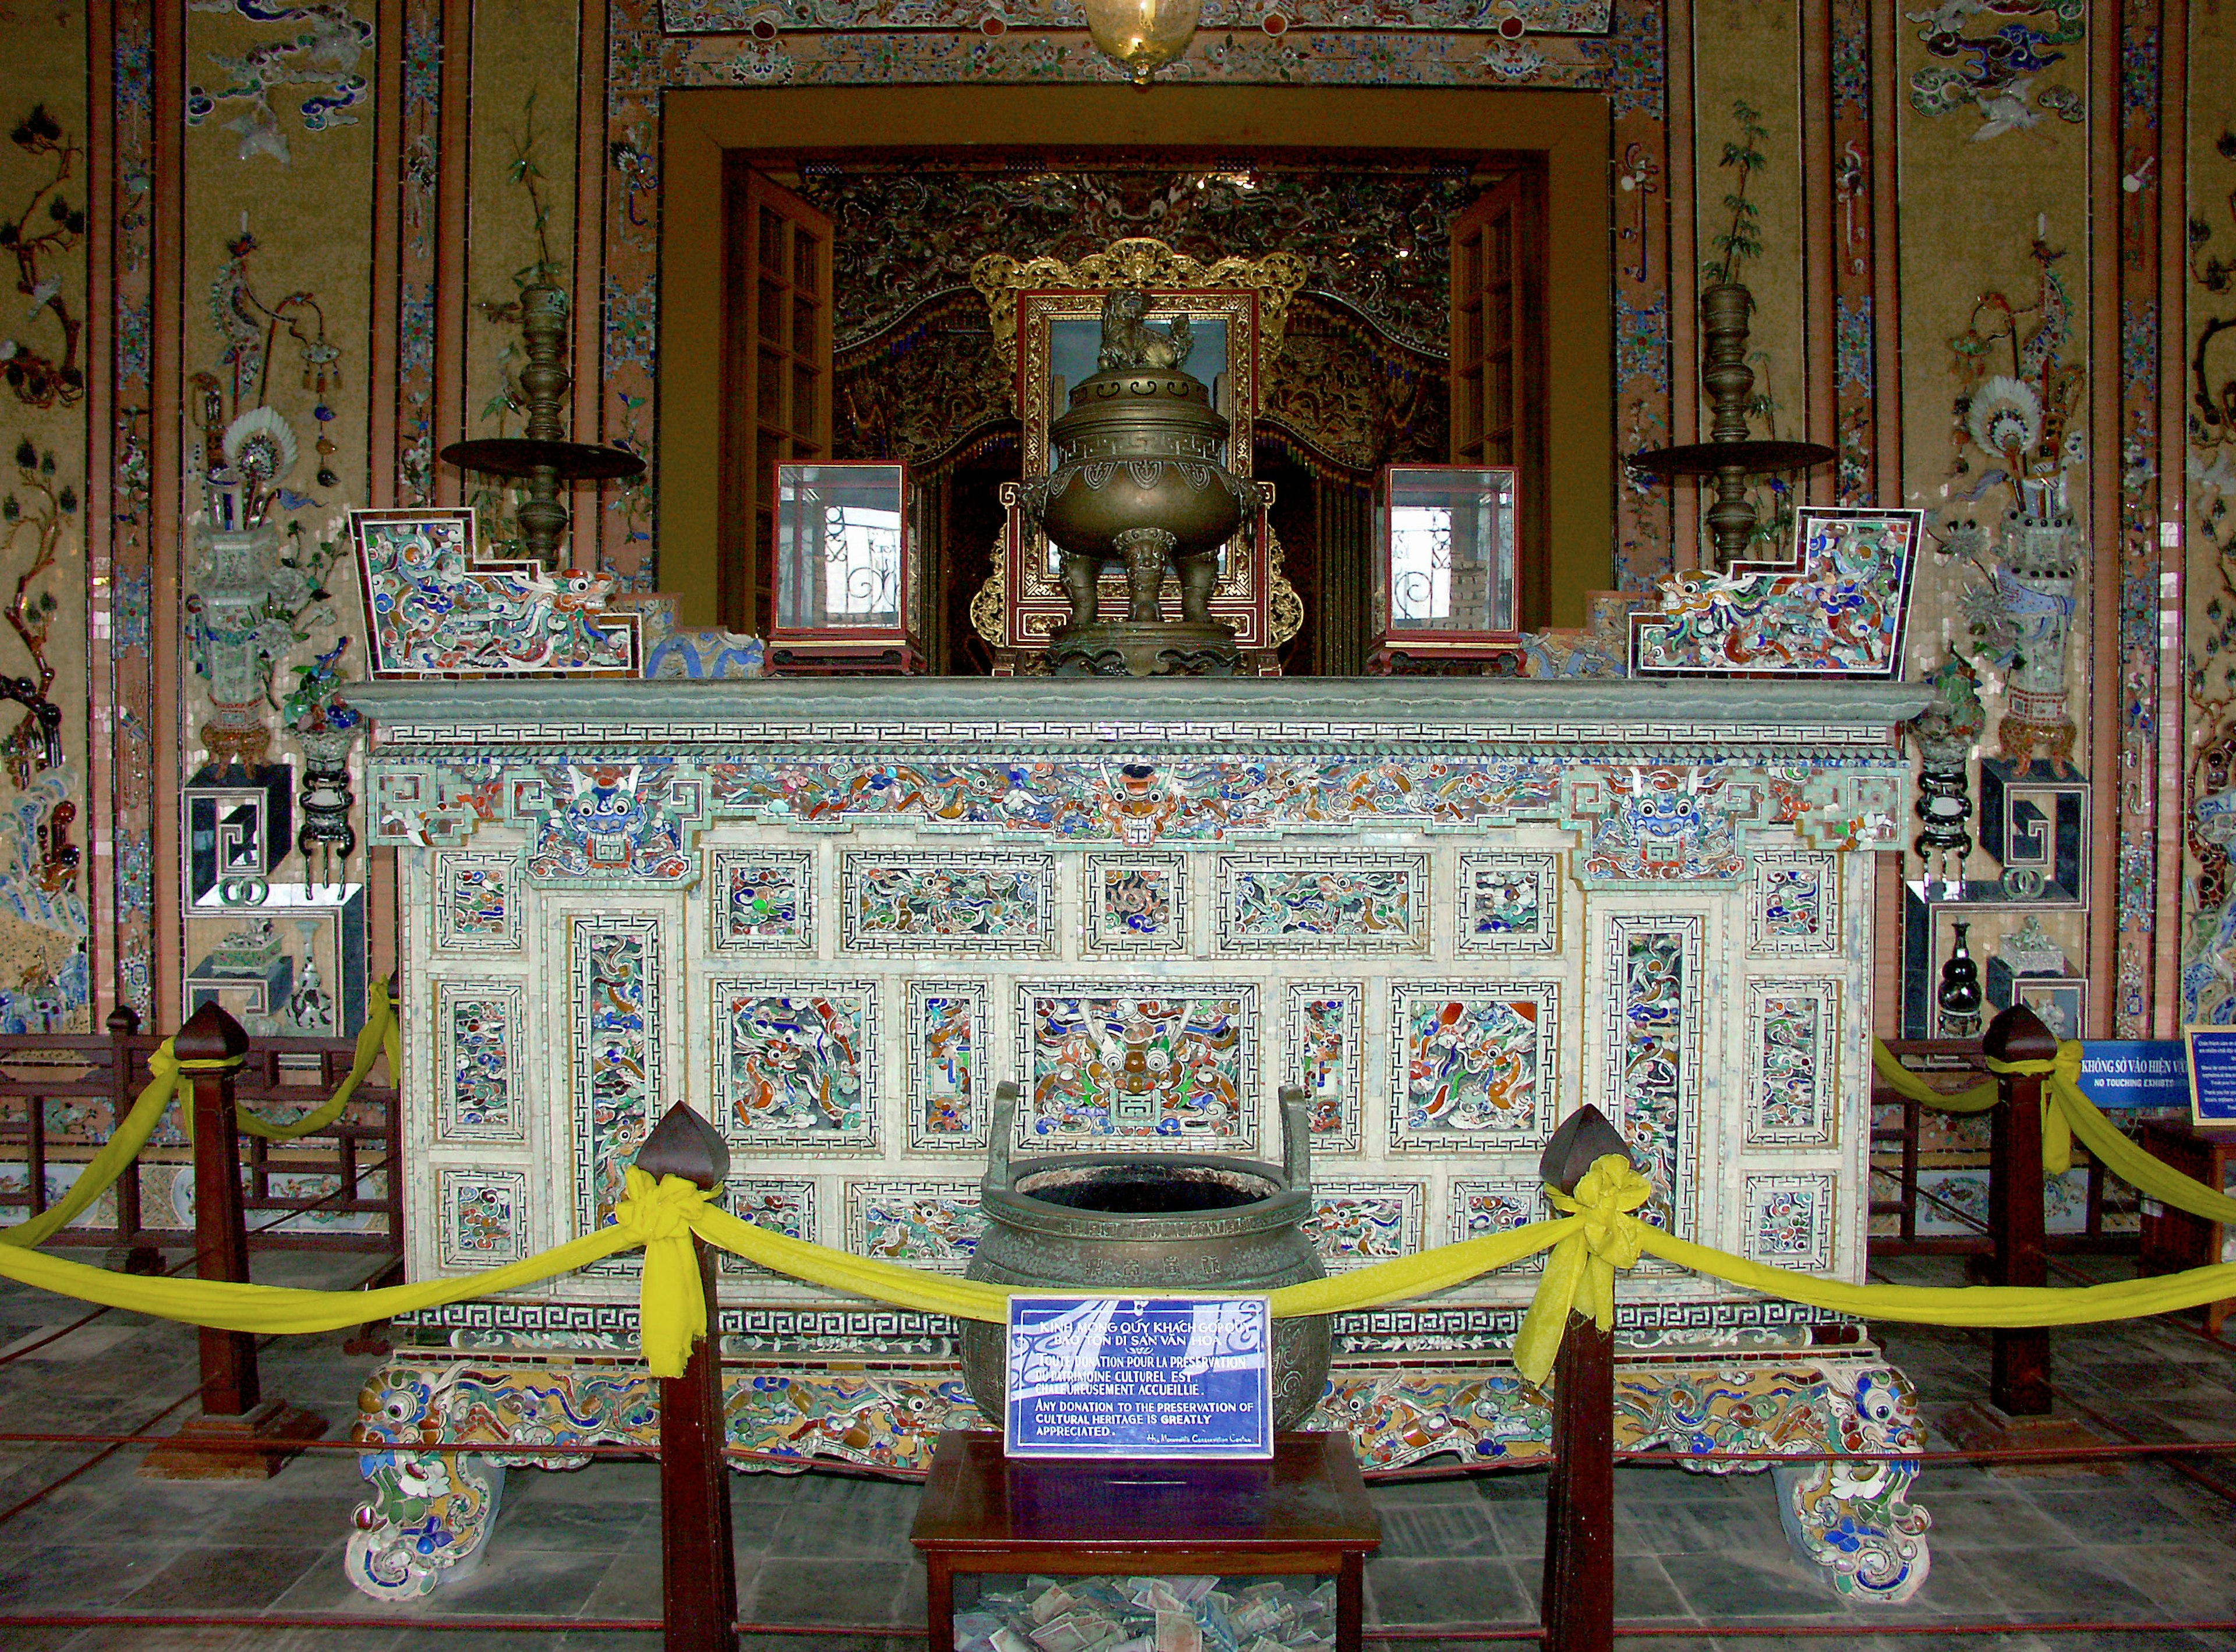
996, 1179
1296, 1139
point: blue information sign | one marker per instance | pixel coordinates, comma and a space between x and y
1140, 1377
2120, 1073
2212, 1074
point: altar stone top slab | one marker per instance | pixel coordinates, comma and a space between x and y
1151, 715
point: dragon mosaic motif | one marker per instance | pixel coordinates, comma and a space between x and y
423, 1521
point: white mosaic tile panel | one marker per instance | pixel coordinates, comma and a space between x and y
1793, 904
616, 983
483, 1217
1509, 905
1654, 976
1475, 1064
480, 1030
1356, 1224
1787, 1221
1792, 1060
477, 898
1319, 905
782, 1204
1324, 1025
795, 1063
977, 904
1134, 904
761, 900
923, 1223
1168, 1068
950, 1061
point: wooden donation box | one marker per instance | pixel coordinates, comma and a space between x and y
832, 915
1202, 1554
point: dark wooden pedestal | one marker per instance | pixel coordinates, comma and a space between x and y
2173, 1239
1303, 1514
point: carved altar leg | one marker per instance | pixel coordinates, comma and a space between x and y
427, 1523
1854, 1519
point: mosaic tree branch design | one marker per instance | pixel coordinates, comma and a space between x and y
47, 228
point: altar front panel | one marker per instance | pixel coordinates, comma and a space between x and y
1452, 930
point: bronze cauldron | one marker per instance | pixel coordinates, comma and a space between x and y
1169, 1222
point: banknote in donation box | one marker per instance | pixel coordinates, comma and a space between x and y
1140, 1377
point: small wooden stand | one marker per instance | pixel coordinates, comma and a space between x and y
2173, 1239
1303, 1514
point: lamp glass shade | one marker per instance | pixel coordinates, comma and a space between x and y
1143, 35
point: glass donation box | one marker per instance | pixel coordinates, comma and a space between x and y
1445, 565
849, 597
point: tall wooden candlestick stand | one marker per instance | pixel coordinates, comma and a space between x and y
544, 457
1730, 455
234, 1437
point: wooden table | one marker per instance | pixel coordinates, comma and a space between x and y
2173, 1239
1305, 1513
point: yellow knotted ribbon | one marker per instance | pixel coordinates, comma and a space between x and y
1580, 1274
672, 1309
2064, 1072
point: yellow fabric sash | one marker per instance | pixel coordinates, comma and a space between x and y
2066, 1113
167, 1079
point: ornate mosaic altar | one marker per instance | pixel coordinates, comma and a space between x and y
832, 914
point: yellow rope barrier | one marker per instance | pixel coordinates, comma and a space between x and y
2067, 1112
168, 1080
1597, 1235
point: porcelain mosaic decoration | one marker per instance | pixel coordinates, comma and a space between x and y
1149, 923
1326, 1027
478, 902
478, 1030
795, 1063
1177, 1072
1794, 908
946, 904
1479, 1066
437, 610
429, 1516
1323, 904
1135, 903
1509, 904
948, 1054
761, 900
1837, 608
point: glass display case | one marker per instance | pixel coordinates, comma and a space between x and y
1445, 569
849, 594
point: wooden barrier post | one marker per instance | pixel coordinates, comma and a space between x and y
699, 1574
1577, 1603
227, 1440
2018, 1381
2019, 1410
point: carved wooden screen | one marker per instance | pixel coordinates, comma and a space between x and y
776, 374
1498, 356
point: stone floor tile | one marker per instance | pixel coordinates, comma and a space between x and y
1444, 1591
1745, 1584
1434, 1530
229, 1578
86, 1576
788, 1589
521, 1582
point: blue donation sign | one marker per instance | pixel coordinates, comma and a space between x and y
2122, 1073
2212, 1074
1140, 1377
